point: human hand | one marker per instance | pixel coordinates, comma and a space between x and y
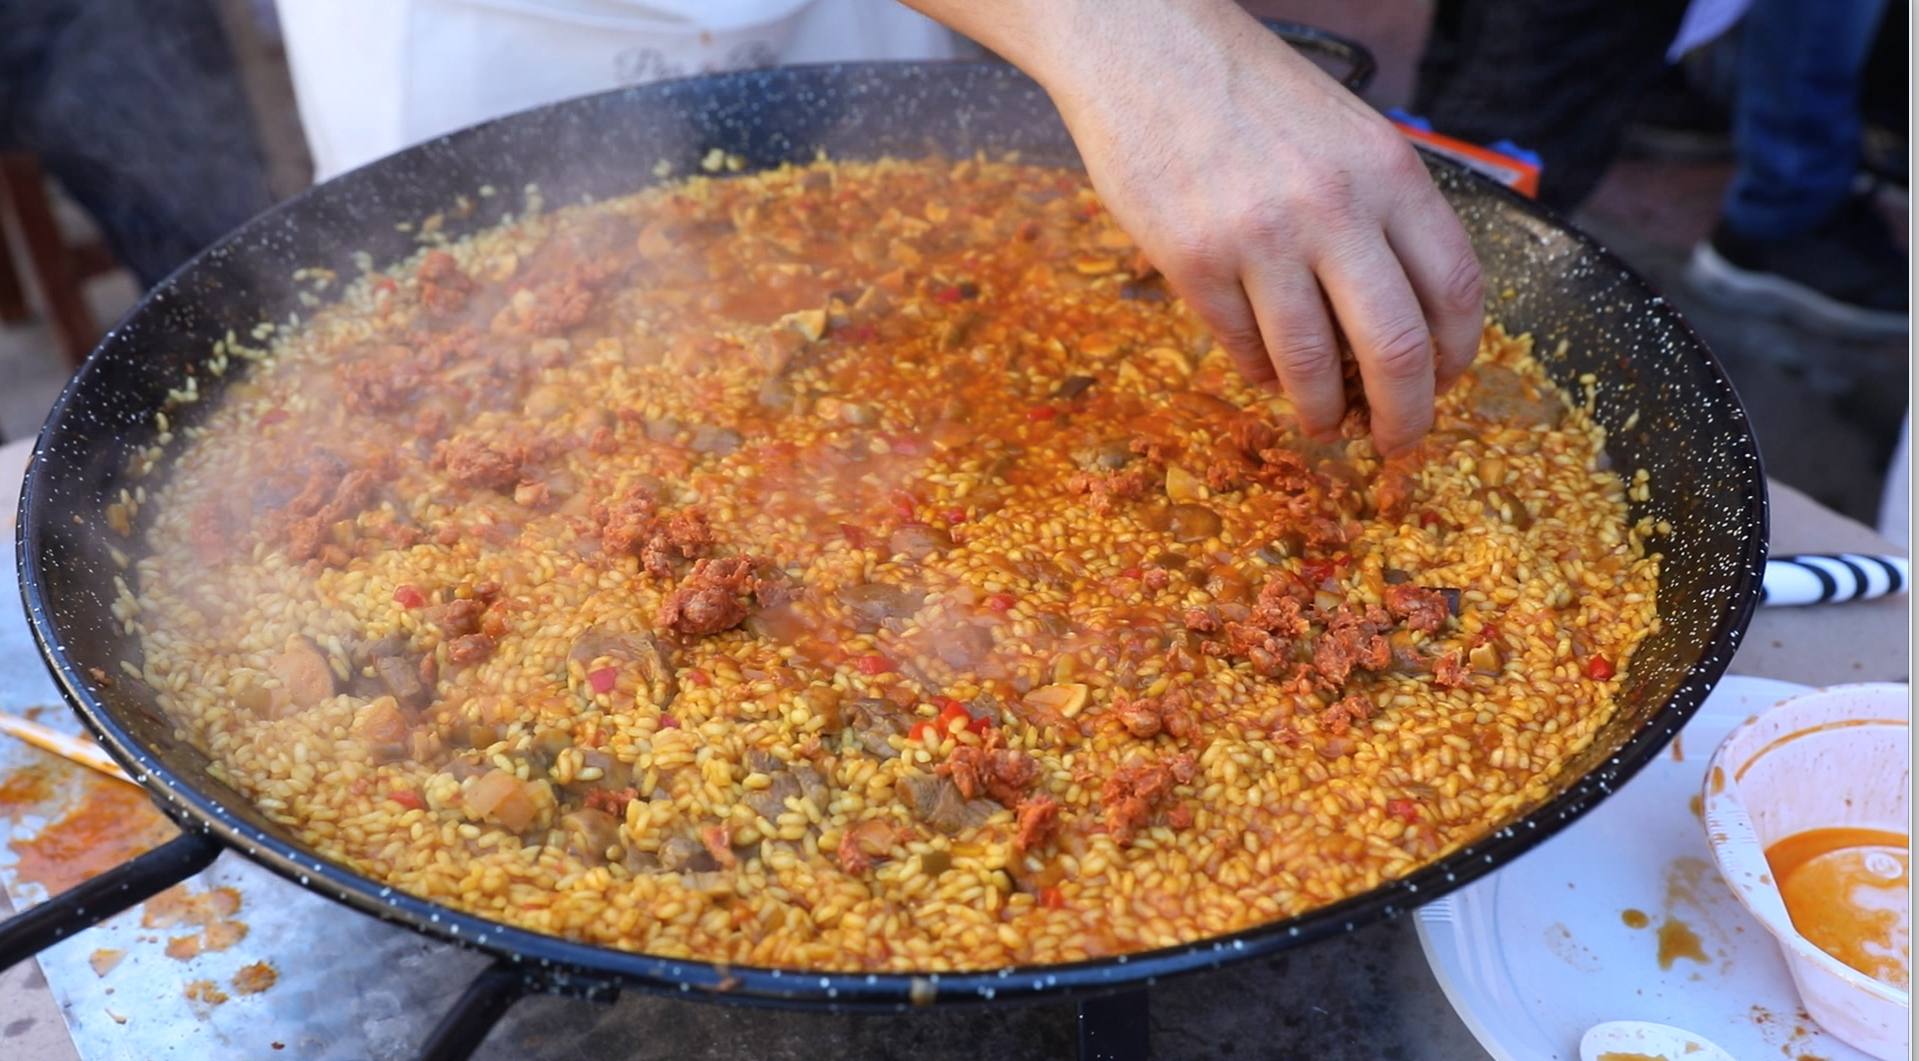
1284, 210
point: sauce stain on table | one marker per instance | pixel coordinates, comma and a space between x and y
211, 911
24, 790
1696, 903
111, 823
1678, 940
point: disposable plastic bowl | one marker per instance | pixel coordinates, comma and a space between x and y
1835, 758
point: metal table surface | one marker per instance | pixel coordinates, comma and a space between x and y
353, 987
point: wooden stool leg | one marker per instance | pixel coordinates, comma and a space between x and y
26, 195
13, 297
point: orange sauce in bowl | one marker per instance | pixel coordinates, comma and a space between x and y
1847, 891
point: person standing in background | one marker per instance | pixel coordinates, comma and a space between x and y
1795, 238
1798, 237
135, 108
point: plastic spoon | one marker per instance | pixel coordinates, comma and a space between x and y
1641, 1040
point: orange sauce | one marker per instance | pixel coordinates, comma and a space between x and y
1847, 891
1677, 940
112, 823
24, 789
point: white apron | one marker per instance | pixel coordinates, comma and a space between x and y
374, 76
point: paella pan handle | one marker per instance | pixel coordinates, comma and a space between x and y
479, 1008
88, 904
1356, 58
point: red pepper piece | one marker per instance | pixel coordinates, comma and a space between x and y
873, 664
604, 679
1599, 668
408, 596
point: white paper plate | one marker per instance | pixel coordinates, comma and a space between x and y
1537, 953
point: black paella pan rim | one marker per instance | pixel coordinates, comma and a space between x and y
562, 964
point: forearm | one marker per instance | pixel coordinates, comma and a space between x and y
1068, 46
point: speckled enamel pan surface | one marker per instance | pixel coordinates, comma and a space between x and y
1663, 398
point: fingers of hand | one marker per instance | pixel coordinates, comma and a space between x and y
1298, 335
1382, 318
1439, 262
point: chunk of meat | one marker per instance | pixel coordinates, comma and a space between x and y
1252, 435
473, 648
590, 833
682, 854
382, 380
390, 667
304, 672
1201, 620
627, 521
1395, 490
964, 647
1140, 717
458, 617
770, 802
1147, 717
937, 802
382, 727
642, 661
1131, 796
480, 464
444, 289
1338, 718
863, 844
715, 596
1352, 640
1266, 651
331, 492
918, 541
1417, 607
872, 722
873, 603
1449, 671
1278, 609
611, 800
1001, 774
633, 525
684, 535
1107, 490
1036, 819
550, 307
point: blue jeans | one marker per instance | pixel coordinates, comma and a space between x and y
1797, 118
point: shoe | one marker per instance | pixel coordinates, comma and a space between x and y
1844, 278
